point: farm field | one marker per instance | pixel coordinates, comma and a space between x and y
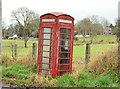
78, 51
104, 38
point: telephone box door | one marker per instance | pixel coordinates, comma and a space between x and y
64, 51
45, 50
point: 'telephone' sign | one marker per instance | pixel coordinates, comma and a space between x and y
48, 20
65, 21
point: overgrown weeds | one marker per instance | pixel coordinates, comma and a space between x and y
16, 71
101, 72
104, 62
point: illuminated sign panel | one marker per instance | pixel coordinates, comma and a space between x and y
48, 20
65, 21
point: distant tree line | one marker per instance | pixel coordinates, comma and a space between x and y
93, 26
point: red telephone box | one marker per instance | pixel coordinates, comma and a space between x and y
55, 47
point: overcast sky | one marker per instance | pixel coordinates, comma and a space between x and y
79, 9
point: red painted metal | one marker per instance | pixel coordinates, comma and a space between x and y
61, 28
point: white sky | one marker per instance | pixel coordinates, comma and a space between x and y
79, 9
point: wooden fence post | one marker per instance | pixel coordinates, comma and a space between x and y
15, 52
12, 50
87, 57
34, 52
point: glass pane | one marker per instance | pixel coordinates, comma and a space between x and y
44, 66
64, 55
65, 36
45, 60
46, 48
65, 49
46, 42
64, 61
45, 54
64, 43
65, 30
47, 29
47, 36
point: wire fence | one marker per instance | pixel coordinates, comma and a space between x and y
15, 50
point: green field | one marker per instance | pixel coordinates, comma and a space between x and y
95, 49
21, 50
105, 38
78, 51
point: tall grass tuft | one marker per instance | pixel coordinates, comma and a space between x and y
104, 62
6, 60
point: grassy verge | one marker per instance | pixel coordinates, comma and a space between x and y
26, 76
101, 71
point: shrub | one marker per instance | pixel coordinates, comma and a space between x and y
113, 76
16, 71
84, 83
66, 81
83, 76
6, 60
104, 62
103, 81
6, 36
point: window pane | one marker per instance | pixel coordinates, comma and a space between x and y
46, 42
65, 49
47, 29
64, 43
45, 54
64, 61
47, 36
44, 66
64, 55
45, 60
65, 36
46, 48
65, 30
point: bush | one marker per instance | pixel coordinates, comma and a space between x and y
103, 81
113, 75
84, 83
66, 81
104, 62
6, 60
83, 76
16, 71
75, 38
6, 36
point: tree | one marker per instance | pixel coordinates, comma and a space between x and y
96, 27
104, 22
0, 29
115, 32
83, 27
24, 18
111, 26
35, 25
91, 26
115, 29
3, 28
11, 30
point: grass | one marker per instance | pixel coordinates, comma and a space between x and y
81, 77
78, 51
16, 71
21, 50
105, 38
95, 49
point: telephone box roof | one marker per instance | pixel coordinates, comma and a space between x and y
57, 14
